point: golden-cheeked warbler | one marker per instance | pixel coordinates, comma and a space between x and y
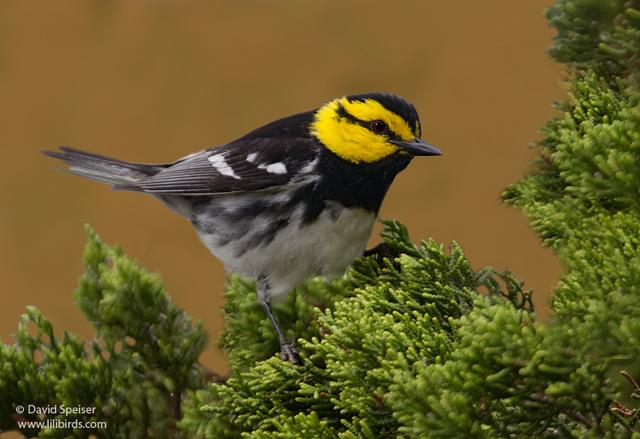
293, 199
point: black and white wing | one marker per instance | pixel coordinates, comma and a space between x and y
257, 161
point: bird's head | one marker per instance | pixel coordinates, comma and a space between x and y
367, 128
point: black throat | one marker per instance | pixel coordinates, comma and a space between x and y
352, 184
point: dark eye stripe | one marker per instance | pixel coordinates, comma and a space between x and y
394, 104
342, 112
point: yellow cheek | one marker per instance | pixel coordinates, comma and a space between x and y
349, 141
357, 144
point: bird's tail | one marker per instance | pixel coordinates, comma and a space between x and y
119, 173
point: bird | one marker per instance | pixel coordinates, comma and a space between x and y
293, 199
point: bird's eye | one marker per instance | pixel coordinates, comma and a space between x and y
378, 126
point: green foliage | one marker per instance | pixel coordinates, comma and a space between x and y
582, 197
411, 350
397, 318
135, 371
598, 35
412, 345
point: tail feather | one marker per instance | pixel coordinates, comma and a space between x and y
121, 174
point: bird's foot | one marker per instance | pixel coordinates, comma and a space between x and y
289, 353
382, 251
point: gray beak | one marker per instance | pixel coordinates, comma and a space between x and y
417, 147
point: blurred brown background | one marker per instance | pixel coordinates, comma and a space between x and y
155, 80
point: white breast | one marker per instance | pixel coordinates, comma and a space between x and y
325, 247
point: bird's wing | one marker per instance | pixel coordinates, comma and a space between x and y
248, 164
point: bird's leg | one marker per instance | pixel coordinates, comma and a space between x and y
287, 351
